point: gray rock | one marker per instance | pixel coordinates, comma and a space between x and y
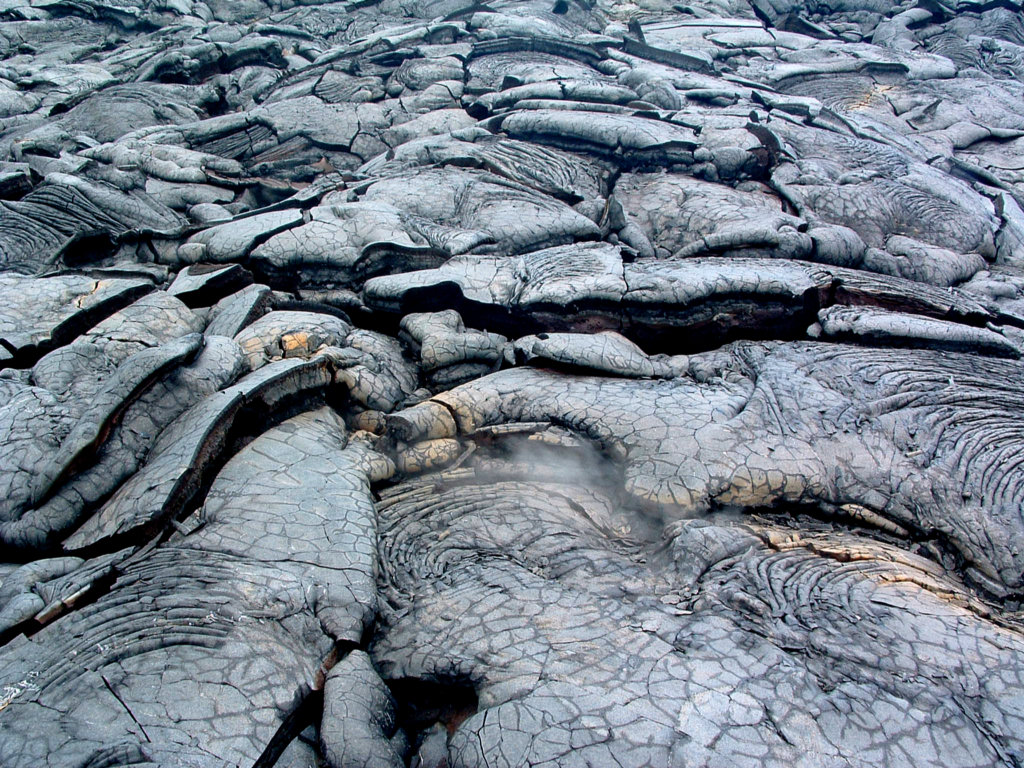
524, 383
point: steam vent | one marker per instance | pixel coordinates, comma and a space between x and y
506, 384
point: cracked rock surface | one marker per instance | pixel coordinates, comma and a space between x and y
555, 383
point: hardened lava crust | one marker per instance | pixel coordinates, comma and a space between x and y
529, 384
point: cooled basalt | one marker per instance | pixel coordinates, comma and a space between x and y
512, 384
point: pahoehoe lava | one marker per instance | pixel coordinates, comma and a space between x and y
444, 383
